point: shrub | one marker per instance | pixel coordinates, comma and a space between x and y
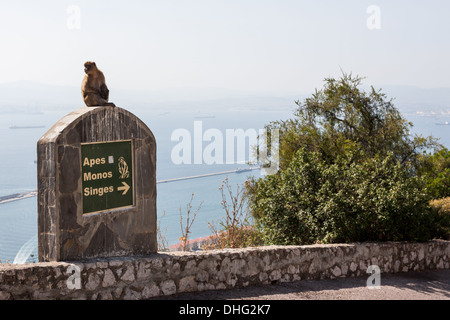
375, 199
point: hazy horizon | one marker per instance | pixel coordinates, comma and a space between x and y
250, 45
30, 96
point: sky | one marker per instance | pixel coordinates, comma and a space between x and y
247, 45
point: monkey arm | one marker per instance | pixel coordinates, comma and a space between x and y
104, 92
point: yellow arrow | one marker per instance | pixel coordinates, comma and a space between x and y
124, 188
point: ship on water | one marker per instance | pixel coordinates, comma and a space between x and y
25, 127
205, 117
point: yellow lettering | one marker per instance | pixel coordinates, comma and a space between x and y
89, 191
93, 162
88, 176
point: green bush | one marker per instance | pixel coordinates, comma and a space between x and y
436, 170
312, 201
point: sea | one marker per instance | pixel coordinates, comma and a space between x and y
18, 172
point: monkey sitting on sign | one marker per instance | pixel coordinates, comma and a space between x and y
93, 88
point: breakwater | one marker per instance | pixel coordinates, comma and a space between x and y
25, 195
207, 175
18, 196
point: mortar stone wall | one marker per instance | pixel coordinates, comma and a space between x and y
143, 277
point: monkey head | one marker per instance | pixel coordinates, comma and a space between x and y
89, 67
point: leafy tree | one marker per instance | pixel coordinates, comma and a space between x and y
349, 171
342, 116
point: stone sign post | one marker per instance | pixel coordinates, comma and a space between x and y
96, 186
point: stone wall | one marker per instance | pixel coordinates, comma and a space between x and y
170, 273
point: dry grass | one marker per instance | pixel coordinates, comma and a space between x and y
441, 208
235, 230
441, 205
190, 218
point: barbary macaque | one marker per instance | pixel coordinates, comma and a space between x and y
93, 88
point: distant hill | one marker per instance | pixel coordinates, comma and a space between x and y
26, 96
409, 99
